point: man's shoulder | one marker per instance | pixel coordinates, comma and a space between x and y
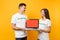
25, 15
14, 15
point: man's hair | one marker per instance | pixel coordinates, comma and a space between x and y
22, 4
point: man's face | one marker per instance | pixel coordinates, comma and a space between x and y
22, 8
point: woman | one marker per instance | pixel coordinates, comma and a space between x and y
44, 25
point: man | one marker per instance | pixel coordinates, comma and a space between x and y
18, 22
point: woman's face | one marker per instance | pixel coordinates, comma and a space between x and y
42, 13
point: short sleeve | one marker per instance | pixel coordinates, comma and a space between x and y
40, 24
13, 20
49, 23
26, 17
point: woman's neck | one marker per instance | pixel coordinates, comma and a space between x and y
43, 18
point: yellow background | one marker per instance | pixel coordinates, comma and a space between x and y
10, 7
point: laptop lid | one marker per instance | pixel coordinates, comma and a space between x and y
32, 23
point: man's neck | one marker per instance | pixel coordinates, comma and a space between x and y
20, 12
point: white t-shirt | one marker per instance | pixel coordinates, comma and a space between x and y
19, 20
44, 24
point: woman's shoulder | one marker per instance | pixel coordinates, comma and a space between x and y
48, 20
40, 19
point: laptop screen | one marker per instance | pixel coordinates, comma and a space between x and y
32, 23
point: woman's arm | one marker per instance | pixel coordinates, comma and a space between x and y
48, 30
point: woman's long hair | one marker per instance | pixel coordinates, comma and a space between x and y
46, 12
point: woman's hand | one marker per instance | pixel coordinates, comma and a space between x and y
46, 30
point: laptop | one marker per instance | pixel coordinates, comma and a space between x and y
32, 24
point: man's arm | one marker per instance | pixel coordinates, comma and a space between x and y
17, 28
